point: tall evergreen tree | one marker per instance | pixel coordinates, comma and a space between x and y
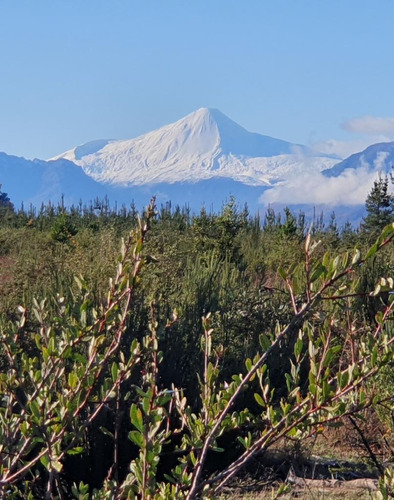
6, 207
271, 220
4, 200
332, 231
289, 227
380, 207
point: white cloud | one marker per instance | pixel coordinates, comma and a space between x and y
374, 129
379, 163
350, 188
343, 149
371, 125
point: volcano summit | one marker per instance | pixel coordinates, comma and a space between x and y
205, 144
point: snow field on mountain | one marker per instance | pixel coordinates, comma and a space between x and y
205, 144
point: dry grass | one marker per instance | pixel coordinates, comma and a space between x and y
6, 270
338, 444
307, 493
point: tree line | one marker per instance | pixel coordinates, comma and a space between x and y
123, 373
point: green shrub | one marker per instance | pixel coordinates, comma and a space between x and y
84, 370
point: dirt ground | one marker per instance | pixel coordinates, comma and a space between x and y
332, 466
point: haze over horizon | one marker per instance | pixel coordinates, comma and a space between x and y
306, 72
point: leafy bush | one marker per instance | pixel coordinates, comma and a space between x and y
79, 368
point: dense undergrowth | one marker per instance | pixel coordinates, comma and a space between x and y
159, 371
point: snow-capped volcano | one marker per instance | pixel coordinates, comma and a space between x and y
203, 145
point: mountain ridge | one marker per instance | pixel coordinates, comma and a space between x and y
201, 159
379, 156
204, 144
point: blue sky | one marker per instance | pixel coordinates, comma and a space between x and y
304, 71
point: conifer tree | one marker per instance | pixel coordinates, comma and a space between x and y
332, 232
4, 200
271, 221
6, 207
380, 207
289, 227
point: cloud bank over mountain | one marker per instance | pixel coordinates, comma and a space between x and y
202, 159
350, 188
368, 129
347, 183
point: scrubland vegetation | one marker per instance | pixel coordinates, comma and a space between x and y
155, 357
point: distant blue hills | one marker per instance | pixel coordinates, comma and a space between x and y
33, 182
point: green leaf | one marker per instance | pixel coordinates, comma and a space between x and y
372, 251
326, 389
136, 417
45, 354
114, 371
294, 393
73, 380
35, 409
138, 246
244, 442
58, 466
312, 350
317, 272
85, 305
328, 357
75, 451
345, 260
379, 318
107, 432
210, 372
259, 400
289, 381
24, 427
37, 339
164, 398
137, 438
170, 479
374, 356
343, 379
265, 342
146, 405
298, 347
326, 260
387, 232
45, 461
312, 377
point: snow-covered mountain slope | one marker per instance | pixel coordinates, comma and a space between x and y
34, 182
378, 157
204, 145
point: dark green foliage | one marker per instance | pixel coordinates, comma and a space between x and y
5, 201
250, 283
380, 207
289, 227
6, 207
348, 236
63, 229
